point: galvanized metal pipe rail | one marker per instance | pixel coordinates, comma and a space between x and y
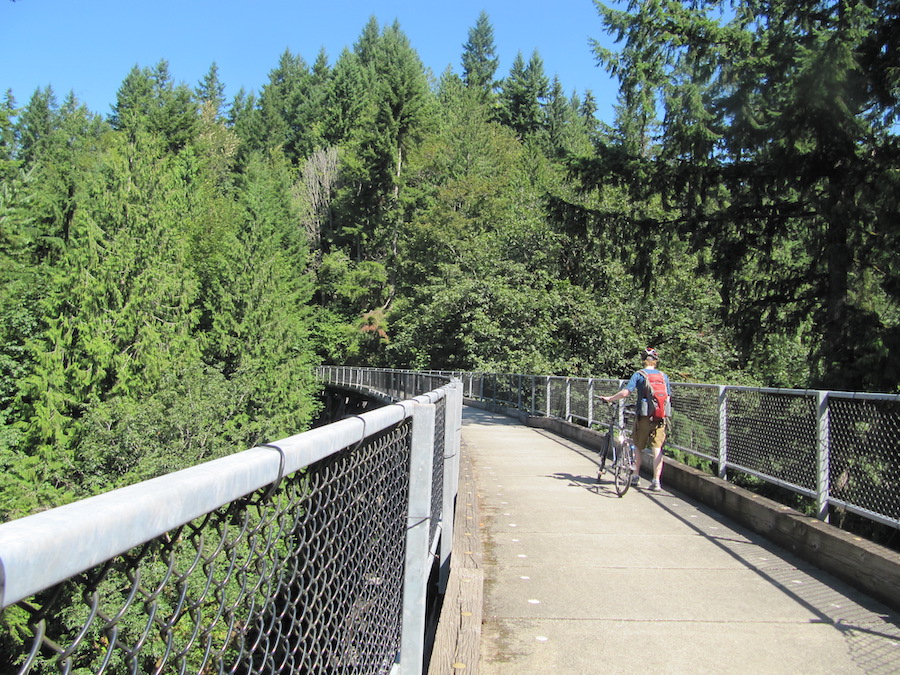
225, 564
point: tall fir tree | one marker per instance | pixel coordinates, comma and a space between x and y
9, 137
211, 91
398, 100
774, 126
35, 123
348, 104
285, 107
522, 96
150, 100
479, 58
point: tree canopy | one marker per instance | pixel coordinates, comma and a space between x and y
769, 132
172, 272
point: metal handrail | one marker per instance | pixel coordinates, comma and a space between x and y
156, 537
839, 448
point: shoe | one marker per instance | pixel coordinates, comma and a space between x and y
655, 486
635, 480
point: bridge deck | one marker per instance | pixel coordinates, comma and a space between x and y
577, 580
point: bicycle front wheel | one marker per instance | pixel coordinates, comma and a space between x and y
623, 470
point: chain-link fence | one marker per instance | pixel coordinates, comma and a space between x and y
696, 422
862, 467
308, 555
837, 448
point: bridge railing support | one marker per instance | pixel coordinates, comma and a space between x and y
323, 541
418, 526
823, 454
723, 433
834, 448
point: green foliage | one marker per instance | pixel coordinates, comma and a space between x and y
769, 134
211, 90
155, 305
171, 274
522, 95
479, 58
150, 101
194, 412
289, 105
399, 101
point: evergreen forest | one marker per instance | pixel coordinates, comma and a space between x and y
171, 272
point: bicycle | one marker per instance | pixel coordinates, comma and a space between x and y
620, 446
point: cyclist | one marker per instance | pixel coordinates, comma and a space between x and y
646, 429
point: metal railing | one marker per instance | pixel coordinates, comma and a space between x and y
841, 449
309, 554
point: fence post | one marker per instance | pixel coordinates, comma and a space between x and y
418, 527
590, 413
723, 432
568, 416
823, 456
452, 430
549, 383
519, 389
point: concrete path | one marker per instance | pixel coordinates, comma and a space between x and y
577, 580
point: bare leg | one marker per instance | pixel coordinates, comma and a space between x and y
657, 463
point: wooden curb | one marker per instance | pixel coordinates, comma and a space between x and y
457, 642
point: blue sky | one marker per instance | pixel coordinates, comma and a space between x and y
89, 46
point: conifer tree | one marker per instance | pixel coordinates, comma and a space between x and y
117, 305
559, 120
775, 126
9, 142
321, 71
149, 100
348, 105
319, 94
245, 118
19, 285
479, 59
211, 91
368, 40
35, 123
398, 100
588, 107
523, 94
285, 108
260, 326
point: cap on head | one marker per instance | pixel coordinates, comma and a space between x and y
649, 353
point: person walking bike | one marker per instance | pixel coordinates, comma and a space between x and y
654, 407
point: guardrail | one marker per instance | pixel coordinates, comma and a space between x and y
841, 449
308, 554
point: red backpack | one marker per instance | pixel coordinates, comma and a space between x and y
659, 403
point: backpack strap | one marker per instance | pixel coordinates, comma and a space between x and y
646, 381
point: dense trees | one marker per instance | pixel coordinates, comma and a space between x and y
170, 274
769, 130
479, 59
155, 302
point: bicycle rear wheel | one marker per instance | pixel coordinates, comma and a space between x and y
623, 470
